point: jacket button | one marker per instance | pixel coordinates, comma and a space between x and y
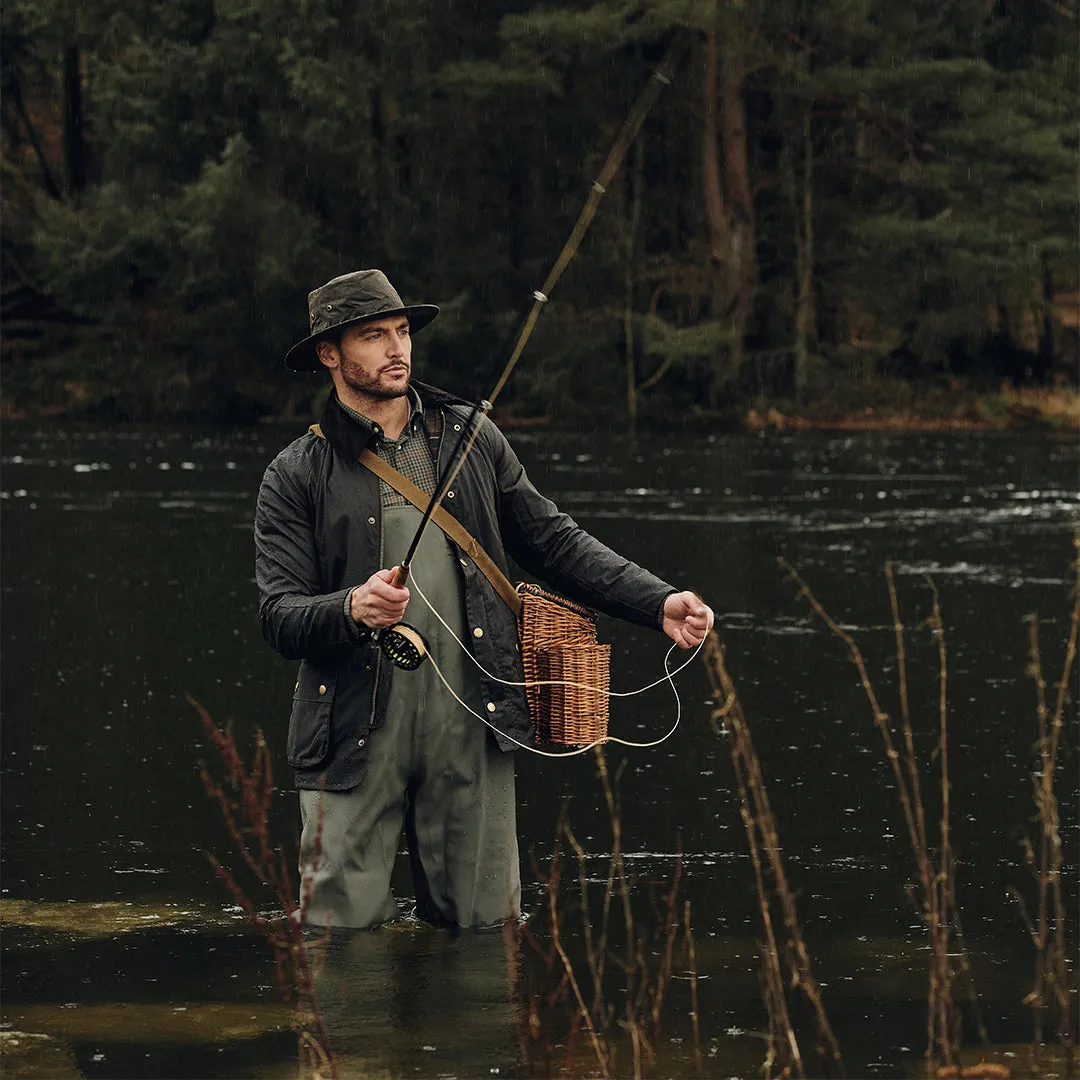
491, 706
449, 494
457, 427
297, 686
361, 742
464, 564
322, 689
371, 521
478, 632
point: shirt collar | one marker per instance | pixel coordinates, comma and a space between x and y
416, 414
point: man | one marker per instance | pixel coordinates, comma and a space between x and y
376, 749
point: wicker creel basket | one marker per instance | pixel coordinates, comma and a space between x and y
558, 642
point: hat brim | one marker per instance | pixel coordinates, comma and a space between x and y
303, 357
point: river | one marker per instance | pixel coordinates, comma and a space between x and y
128, 585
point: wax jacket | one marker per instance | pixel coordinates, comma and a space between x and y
318, 534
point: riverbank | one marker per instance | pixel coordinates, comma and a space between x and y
879, 404
955, 408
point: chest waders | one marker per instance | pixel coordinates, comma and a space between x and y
432, 770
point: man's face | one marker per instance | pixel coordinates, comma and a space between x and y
376, 357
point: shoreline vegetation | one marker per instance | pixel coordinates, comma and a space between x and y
885, 405
959, 409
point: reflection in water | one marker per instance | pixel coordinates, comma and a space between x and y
409, 998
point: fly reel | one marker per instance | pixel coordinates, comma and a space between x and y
404, 645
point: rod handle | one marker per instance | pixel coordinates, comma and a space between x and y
400, 576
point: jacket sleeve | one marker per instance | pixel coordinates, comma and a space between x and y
550, 544
297, 618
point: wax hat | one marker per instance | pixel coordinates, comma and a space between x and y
352, 298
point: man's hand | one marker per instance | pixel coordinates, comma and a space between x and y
377, 603
687, 619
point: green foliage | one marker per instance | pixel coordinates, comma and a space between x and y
190, 321
242, 151
704, 352
485, 80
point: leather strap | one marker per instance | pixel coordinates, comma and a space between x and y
446, 521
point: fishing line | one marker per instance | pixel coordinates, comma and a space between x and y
669, 678
562, 682
580, 749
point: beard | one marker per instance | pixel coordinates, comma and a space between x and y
371, 386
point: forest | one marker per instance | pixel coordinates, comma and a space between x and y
833, 207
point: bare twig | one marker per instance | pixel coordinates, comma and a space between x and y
694, 1012
244, 798
762, 836
936, 893
593, 955
943, 891
598, 1047
646, 983
905, 711
546, 1003
881, 720
1052, 979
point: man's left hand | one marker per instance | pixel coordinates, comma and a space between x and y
687, 619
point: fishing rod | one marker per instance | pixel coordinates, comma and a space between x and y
404, 644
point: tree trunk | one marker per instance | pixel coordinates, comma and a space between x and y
716, 217
15, 94
729, 200
743, 242
637, 180
74, 133
1045, 355
804, 264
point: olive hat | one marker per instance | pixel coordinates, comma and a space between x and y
352, 298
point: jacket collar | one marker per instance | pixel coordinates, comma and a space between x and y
350, 438
344, 434
432, 396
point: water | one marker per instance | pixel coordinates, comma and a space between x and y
128, 585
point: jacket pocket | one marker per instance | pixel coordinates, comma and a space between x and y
309, 725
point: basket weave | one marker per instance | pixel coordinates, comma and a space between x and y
558, 642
